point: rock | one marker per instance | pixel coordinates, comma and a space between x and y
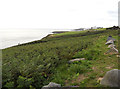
78, 59
110, 38
51, 84
111, 78
112, 50
115, 49
111, 46
109, 42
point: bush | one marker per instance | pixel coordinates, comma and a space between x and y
40, 59
91, 54
24, 82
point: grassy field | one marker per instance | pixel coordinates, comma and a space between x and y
75, 32
37, 63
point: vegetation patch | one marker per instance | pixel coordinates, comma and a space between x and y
37, 63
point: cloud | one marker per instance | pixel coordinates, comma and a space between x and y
57, 13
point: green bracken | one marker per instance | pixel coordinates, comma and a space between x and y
37, 63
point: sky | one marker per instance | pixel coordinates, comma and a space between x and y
58, 14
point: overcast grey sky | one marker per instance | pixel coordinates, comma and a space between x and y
58, 14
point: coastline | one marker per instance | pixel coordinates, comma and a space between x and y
33, 42
26, 42
37, 40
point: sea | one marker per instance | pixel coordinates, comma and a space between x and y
12, 37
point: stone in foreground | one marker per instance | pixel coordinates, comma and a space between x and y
110, 38
109, 42
111, 46
78, 59
112, 50
51, 84
111, 78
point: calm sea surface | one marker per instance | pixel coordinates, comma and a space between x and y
11, 37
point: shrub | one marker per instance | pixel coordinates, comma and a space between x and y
90, 54
24, 82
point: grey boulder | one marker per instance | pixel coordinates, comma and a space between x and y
51, 85
78, 59
113, 50
111, 46
111, 78
109, 42
110, 38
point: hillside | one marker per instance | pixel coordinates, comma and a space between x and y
37, 63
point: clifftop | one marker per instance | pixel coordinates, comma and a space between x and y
37, 63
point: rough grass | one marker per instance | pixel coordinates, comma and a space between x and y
69, 33
37, 63
100, 65
76, 32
